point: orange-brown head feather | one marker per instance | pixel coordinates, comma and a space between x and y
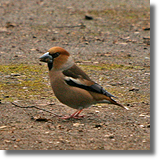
63, 61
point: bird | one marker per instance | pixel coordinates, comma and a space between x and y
71, 85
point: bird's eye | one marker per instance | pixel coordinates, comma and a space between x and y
55, 55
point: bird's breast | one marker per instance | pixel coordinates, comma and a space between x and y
69, 95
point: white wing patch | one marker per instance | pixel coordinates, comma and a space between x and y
74, 80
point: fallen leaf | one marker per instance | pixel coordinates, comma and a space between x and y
87, 17
10, 25
1, 127
39, 118
77, 124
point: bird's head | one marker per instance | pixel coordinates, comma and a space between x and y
57, 58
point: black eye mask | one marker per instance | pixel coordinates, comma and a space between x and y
55, 55
50, 65
49, 58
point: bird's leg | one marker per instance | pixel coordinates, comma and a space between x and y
74, 115
71, 116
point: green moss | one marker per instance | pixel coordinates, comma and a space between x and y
119, 13
39, 26
20, 68
28, 82
31, 84
109, 67
123, 16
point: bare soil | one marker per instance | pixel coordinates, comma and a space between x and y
110, 40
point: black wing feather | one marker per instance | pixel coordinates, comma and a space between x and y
93, 88
99, 89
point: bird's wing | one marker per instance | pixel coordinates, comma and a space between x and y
87, 85
80, 82
76, 72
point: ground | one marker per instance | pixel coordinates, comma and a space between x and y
110, 40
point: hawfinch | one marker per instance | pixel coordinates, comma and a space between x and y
71, 85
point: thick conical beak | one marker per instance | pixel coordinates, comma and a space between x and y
46, 58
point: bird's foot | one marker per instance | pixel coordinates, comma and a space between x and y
69, 117
74, 115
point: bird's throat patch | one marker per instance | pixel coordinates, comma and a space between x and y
50, 66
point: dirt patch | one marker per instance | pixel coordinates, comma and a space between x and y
113, 47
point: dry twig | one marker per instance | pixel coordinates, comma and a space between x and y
16, 105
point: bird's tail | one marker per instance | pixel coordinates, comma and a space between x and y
118, 104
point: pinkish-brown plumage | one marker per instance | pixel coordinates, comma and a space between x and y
71, 85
